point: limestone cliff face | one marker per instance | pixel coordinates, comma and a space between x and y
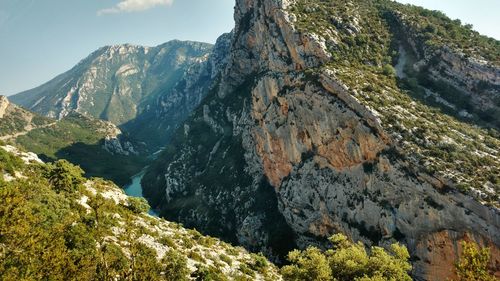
162, 116
475, 80
4, 103
276, 147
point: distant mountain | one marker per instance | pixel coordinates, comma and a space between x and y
161, 117
119, 83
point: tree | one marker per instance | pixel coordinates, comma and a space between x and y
310, 264
138, 205
473, 264
347, 261
175, 266
145, 266
64, 176
389, 70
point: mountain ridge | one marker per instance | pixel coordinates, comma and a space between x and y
96, 145
117, 83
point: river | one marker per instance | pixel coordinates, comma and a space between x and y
135, 189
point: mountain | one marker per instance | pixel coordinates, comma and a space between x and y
123, 82
160, 119
96, 145
371, 118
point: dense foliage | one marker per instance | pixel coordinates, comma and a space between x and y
347, 261
473, 264
46, 235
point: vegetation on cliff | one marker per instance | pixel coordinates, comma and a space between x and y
424, 117
76, 138
473, 264
347, 261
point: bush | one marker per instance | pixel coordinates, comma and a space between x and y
64, 176
389, 70
9, 163
138, 205
310, 264
348, 261
259, 262
226, 259
473, 264
175, 266
211, 273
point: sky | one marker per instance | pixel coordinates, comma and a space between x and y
40, 39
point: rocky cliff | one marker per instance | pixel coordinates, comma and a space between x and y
308, 131
161, 117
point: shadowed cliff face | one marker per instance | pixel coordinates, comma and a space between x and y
283, 118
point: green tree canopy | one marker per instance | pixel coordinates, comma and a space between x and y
64, 176
473, 263
347, 261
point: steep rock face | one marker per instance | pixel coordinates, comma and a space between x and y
273, 124
161, 117
119, 83
4, 103
474, 80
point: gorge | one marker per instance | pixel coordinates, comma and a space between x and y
373, 119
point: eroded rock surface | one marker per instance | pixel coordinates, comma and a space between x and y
276, 148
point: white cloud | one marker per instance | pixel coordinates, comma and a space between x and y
127, 6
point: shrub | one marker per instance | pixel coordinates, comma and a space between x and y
389, 70
9, 163
226, 259
246, 270
175, 266
473, 264
310, 264
348, 261
138, 205
259, 262
64, 176
211, 273
196, 256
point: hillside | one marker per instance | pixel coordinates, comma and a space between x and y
371, 118
96, 145
56, 225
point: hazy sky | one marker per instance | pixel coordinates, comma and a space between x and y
42, 38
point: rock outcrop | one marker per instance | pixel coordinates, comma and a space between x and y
282, 144
4, 103
473, 82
